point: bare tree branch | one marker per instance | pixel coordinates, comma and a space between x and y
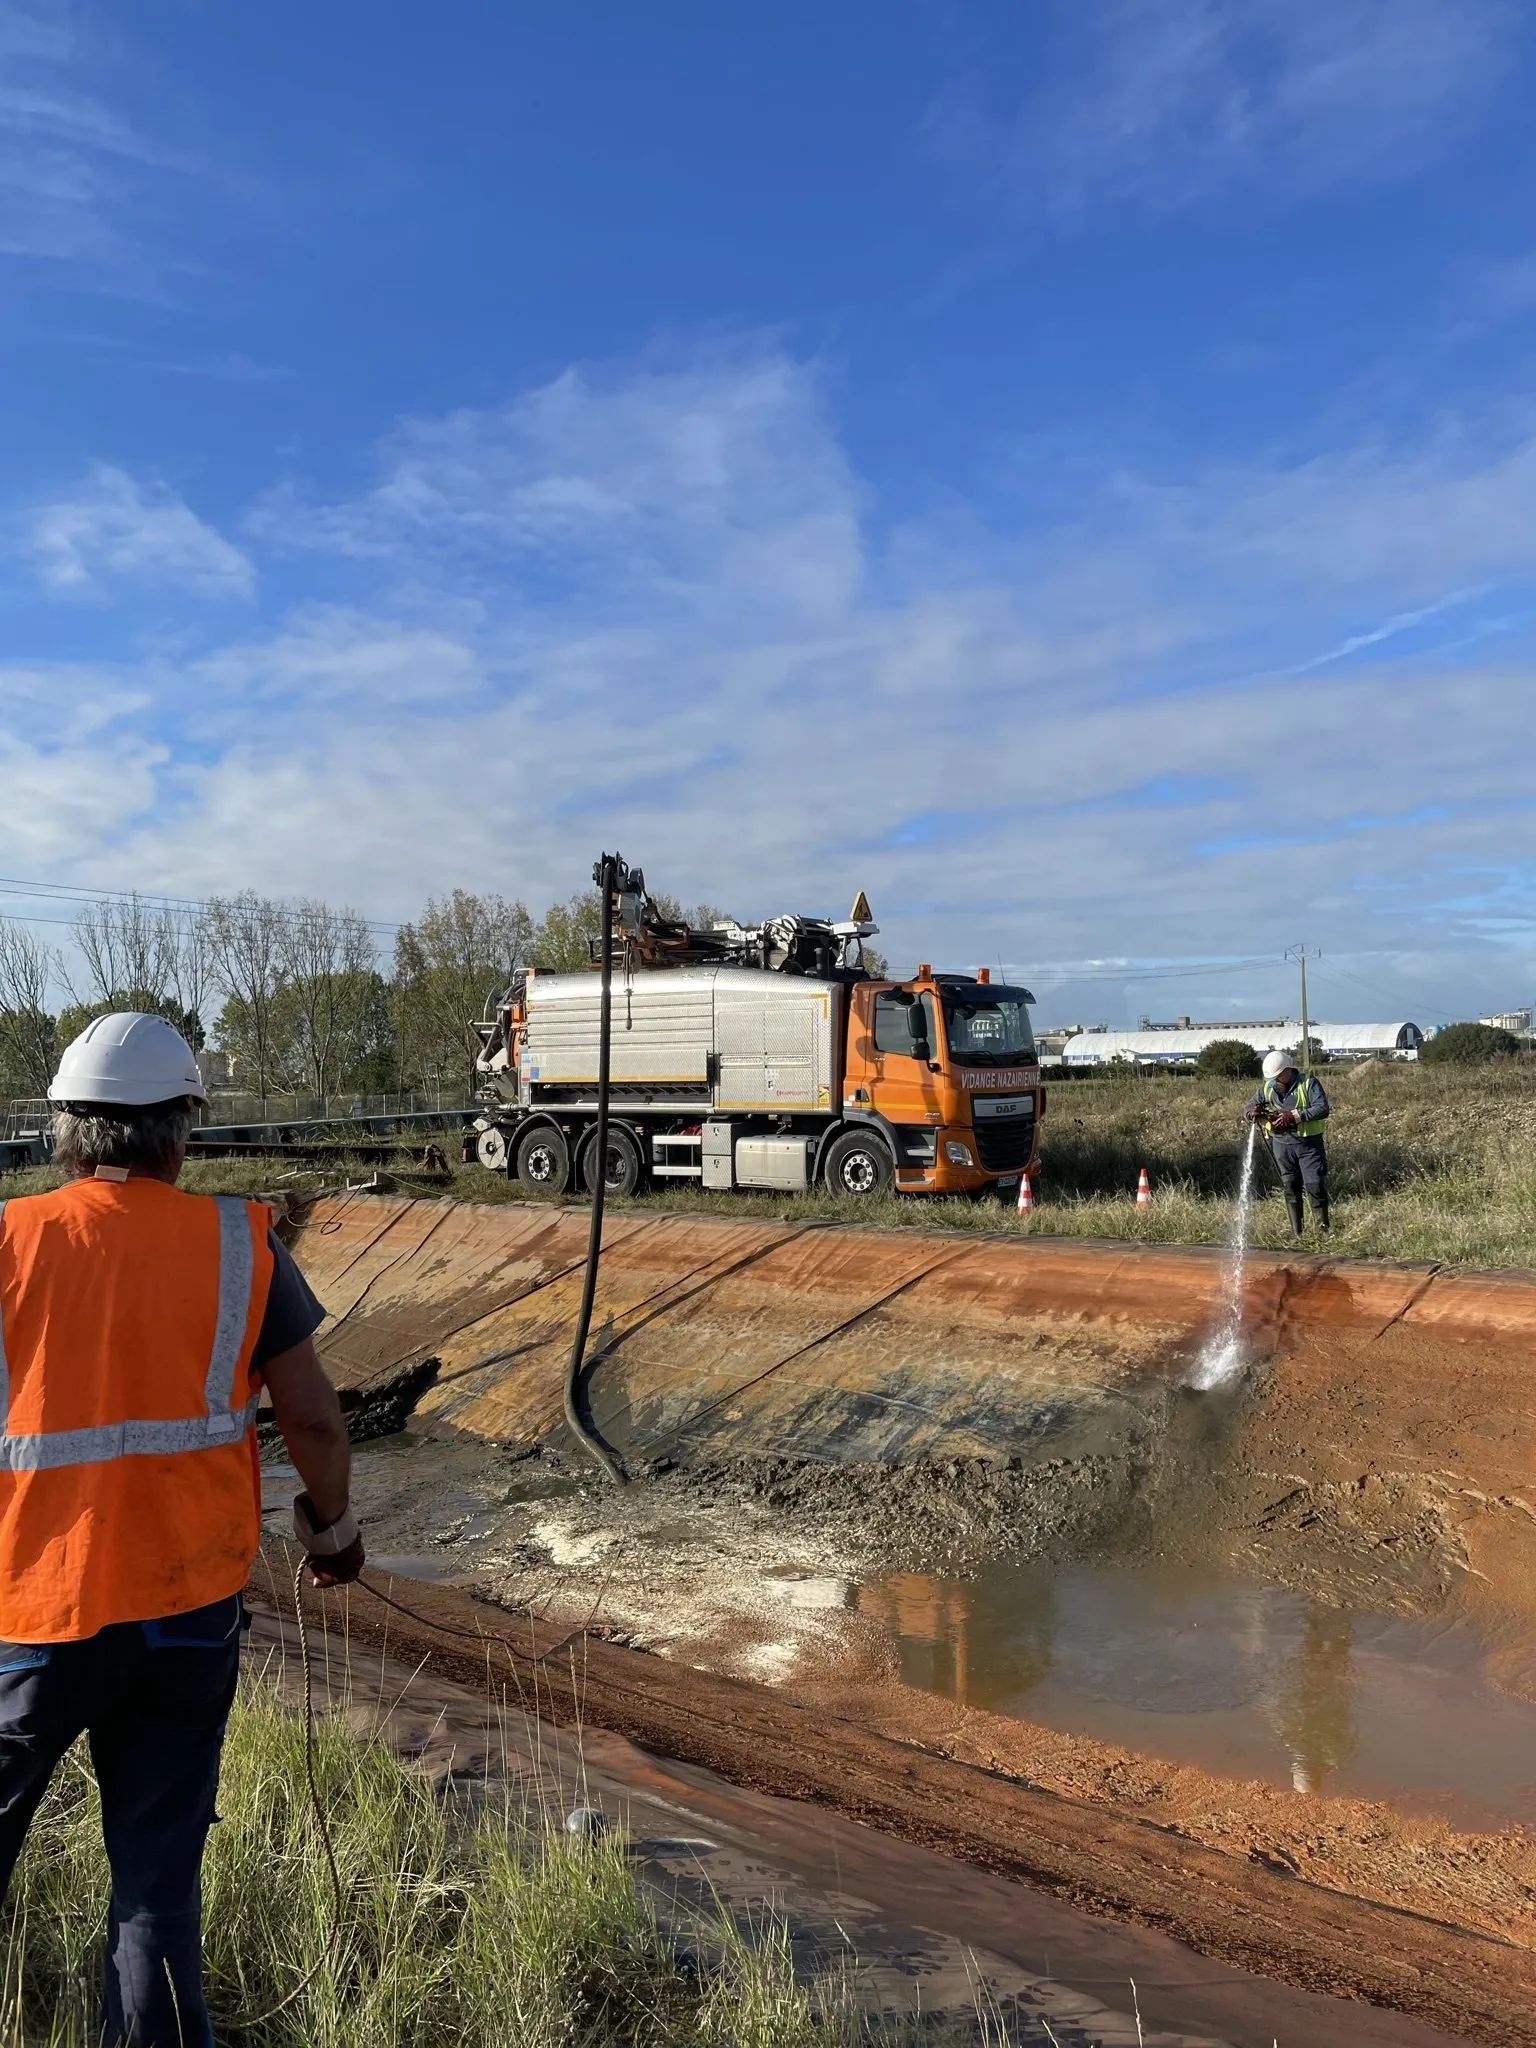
28, 972
245, 940
326, 965
128, 949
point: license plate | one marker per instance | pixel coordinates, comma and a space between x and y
1009, 1180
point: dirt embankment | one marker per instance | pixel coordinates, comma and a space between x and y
1254, 1914
902, 1398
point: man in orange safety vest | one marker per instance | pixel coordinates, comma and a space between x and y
138, 1325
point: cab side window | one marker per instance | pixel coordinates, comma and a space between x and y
893, 1027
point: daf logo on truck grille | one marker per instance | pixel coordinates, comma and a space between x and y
984, 1106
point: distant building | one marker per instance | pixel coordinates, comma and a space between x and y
1166, 1046
1049, 1043
217, 1070
1231, 1026
1518, 1021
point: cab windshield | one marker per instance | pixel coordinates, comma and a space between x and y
988, 1025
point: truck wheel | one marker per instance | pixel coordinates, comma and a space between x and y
624, 1169
858, 1163
493, 1147
544, 1160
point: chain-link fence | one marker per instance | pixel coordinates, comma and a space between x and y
230, 1106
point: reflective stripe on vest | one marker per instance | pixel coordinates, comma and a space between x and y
1302, 1090
223, 1423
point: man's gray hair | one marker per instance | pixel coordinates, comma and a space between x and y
150, 1139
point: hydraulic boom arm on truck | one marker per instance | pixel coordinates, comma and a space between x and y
781, 945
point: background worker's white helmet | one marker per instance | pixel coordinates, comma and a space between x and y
131, 1058
1278, 1063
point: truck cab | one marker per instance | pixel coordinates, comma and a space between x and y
945, 1067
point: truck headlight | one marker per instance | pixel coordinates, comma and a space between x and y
958, 1153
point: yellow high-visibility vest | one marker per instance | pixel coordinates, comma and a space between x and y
1302, 1091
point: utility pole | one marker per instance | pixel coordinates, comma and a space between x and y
1299, 954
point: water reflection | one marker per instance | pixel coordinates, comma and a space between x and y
1315, 1713
934, 1620
1197, 1665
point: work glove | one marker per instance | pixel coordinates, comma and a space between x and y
1286, 1120
1253, 1112
336, 1555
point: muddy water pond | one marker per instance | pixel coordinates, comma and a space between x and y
1188, 1663
1196, 1666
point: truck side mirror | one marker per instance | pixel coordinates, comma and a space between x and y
917, 1031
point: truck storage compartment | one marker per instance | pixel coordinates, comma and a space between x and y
773, 1162
719, 1037
717, 1155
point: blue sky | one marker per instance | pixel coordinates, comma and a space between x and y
1068, 471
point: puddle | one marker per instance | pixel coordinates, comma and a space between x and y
413, 1564
1194, 1666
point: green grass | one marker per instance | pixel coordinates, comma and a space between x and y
468, 1921
1428, 1164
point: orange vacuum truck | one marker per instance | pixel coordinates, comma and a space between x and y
758, 1056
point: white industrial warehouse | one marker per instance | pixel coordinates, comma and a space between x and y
1177, 1048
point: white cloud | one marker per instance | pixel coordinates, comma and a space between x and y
112, 530
654, 609
68, 801
1162, 106
330, 656
66, 702
78, 180
719, 487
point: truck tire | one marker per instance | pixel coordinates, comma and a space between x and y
624, 1167
858, 1163
493, 1148
544, 1160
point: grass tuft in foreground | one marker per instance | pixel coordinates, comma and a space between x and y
467, 1922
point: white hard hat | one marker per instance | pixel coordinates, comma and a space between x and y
1278, 1063
132, 1058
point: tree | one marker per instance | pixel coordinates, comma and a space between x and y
567, 932
143, 958
356, 1053
450, 965
325, 995
1230, 1059
1469, 1045
74, 1017
245, 948
28, 1044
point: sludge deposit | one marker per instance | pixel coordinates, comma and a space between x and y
959, 1492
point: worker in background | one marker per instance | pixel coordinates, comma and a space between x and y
137, 1324
1293, 1108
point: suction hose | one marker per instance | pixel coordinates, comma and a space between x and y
606, 877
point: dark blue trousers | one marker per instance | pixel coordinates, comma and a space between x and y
1303, 1163
152, 1698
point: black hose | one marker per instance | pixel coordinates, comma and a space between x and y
607, 877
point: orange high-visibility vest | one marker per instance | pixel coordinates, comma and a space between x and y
129, 1481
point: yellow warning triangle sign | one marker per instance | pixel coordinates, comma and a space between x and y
861, 912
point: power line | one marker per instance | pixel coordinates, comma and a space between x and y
1048, 976
1395, 998
69, 892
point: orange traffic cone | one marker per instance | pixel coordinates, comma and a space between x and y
1144, 1190
1026, 1196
